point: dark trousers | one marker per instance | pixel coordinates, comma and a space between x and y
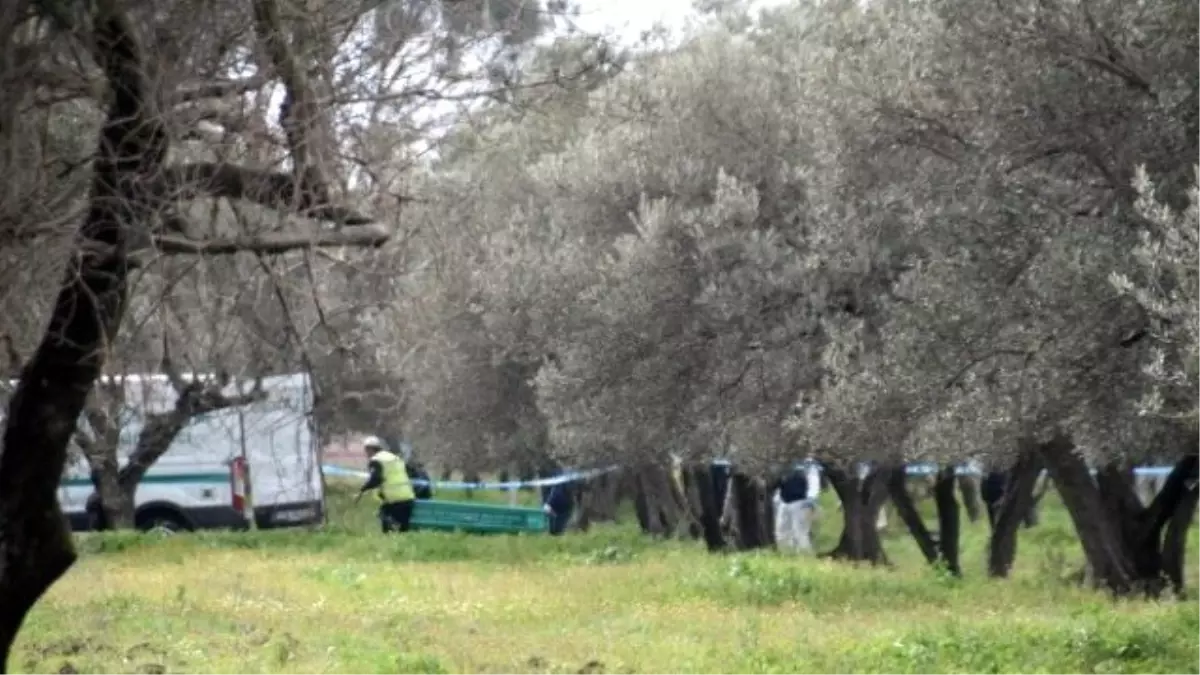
558, 522
395, 516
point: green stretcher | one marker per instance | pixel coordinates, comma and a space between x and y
476, 518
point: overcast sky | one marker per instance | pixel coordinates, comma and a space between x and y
625, 20
631, 17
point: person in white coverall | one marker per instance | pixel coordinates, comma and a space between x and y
795, 510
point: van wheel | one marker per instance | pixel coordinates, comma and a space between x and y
163, 522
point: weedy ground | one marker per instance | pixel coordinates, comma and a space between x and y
348, 599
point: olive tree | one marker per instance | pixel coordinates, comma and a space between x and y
658, 269
465, 377
1016, 216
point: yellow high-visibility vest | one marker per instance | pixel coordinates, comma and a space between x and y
396, 487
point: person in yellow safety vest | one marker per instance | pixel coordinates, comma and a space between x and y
389, 477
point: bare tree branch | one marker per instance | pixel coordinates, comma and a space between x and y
193, 398
272, 189
220, 88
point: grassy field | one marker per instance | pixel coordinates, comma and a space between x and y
348, 599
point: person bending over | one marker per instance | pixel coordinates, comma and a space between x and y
389, 478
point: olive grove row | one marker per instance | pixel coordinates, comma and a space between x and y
906, 231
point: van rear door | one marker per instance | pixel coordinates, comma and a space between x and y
285, 476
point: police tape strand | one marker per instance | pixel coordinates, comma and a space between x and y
568, 477
921, 469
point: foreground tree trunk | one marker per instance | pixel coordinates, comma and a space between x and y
35, 541
131, 190
1011, 510
687, 523
861, 499
1130, 548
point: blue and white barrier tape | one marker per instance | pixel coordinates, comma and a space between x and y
919, 469
928, 468
567, 477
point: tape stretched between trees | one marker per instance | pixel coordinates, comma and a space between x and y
922, 469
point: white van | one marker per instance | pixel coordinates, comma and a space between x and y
200, 482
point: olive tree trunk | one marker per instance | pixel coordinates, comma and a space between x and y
941, 549
968, 486
1011, 510
1130, 548
862, 499
35, 541
598, 500
748, 512
949, 520
656, 503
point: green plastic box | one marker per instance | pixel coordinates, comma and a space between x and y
433, 514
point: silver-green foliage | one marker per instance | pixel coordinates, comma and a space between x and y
856, 232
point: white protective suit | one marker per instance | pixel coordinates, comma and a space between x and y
794, 521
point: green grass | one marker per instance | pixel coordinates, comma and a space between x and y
347, 599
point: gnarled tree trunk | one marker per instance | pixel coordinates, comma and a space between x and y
861, 499
940, 549
35, 542
657, 505
1130, 548
118, 503
906, 508
598, 500
702, 495
131, 191
749, 519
